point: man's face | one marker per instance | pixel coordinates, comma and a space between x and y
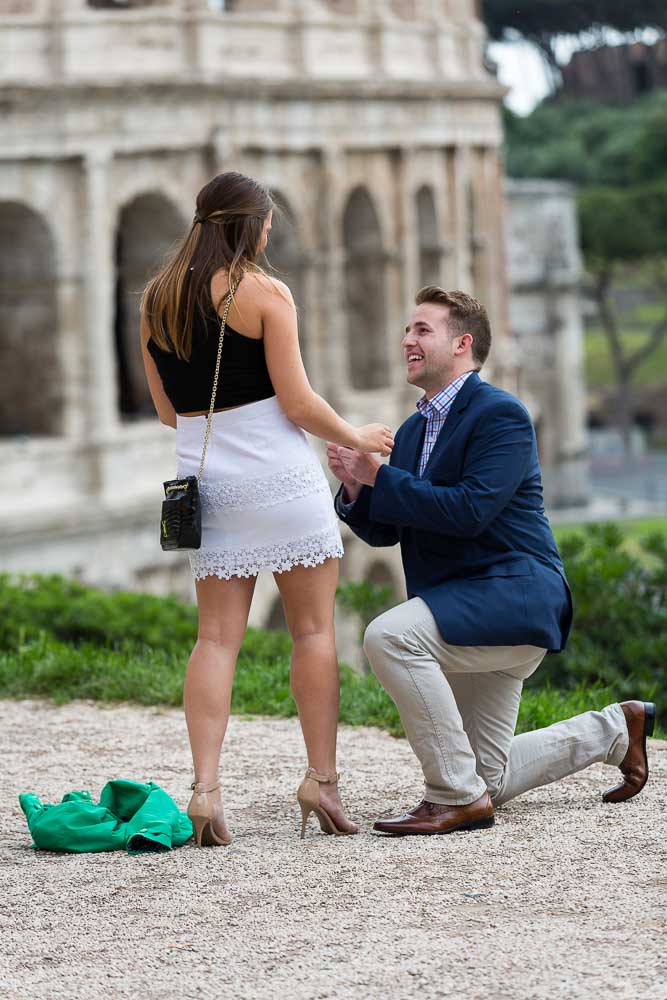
428, 348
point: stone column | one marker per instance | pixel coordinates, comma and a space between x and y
190, 12
334, 352
458, 185
492, 274
373, 12
298, 11
408, 241
70, 293
99, 278
313, 282
562, 276
57, 13
408, 234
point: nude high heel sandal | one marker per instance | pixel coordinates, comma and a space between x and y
201, 811
308, 796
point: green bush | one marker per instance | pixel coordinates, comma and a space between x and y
73, 612
63, 640
619, 637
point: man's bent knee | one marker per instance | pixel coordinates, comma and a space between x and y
376, 637
379, 637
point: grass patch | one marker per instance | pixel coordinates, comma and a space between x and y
49, 668
64, 641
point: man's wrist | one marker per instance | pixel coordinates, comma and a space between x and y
374, 474
350, 493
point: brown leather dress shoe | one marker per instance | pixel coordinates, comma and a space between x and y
640, 717
431, 817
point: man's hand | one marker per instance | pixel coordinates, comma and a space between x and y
352, 487
358, 466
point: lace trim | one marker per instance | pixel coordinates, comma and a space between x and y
308, 551
257, 494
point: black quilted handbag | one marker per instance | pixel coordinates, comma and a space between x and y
180, 523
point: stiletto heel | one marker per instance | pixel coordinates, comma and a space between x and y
200, 825
308, 797
305, 813
201, 811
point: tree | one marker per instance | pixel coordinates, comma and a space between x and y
618, 158
620, 227
541, 21
590, 144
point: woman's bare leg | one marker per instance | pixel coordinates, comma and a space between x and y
308, 595
223, 606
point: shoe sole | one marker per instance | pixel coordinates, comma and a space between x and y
649, 725
477, 824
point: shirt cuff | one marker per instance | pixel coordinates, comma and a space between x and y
342, 506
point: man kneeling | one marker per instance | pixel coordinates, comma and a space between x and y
488, 596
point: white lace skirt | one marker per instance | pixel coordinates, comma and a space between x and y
266, 502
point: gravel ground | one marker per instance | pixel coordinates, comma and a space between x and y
564, 897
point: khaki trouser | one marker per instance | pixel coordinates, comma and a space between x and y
459, 704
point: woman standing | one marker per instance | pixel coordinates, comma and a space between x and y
266, 503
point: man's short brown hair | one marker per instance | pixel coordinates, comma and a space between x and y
466, 315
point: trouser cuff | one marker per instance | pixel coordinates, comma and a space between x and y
454, 798
621, 742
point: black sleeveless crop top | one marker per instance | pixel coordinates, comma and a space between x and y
244, 376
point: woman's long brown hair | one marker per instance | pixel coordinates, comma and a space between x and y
225, 233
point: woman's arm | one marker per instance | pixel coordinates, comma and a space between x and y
295, 395
163, 406
297, 399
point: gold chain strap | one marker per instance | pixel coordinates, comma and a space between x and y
223, 324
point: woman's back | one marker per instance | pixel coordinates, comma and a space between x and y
244, 376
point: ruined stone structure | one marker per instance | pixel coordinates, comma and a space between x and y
615, 74
378, 128
544, 271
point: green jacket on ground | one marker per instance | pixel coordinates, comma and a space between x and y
129, 816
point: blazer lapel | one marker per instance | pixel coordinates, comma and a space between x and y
406, 456
415, 446
463, 397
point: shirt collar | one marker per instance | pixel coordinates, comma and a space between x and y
442, 401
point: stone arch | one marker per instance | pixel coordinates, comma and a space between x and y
285, 257
427, 230
147, 226
31, 385
365, 287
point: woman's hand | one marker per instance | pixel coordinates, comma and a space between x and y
373, 438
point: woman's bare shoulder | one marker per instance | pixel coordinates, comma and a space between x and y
257, 285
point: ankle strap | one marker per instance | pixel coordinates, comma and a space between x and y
202, 786
325, 779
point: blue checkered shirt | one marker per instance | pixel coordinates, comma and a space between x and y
435, 410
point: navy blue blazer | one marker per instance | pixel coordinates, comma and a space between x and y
475, 541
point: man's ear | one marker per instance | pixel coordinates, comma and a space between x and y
464, 343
